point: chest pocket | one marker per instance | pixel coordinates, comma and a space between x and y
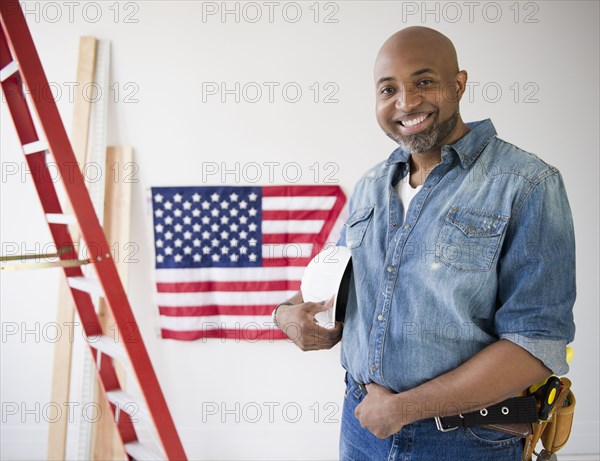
356, 226
469, 239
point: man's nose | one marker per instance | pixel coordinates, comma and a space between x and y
408, 98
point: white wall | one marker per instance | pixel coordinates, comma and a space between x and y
165, 57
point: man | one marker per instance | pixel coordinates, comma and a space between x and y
463, 256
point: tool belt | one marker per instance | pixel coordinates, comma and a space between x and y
529, 417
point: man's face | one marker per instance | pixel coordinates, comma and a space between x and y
417, 96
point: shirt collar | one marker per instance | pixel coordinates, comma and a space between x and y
467, 148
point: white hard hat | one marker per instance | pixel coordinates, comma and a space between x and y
328, 274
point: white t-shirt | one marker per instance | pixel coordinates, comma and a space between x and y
406, 192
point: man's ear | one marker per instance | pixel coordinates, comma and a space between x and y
461, 84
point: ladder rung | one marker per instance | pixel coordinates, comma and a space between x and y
127, 403
139, 451
8, 70
34, 147
86, 284
59, 218
108, 346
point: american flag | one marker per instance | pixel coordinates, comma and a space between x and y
226, 255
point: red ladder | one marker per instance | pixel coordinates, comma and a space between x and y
20, 65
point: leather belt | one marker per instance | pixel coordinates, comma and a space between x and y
513, 410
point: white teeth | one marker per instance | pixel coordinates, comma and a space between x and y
414, 121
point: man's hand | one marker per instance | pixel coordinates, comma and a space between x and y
377, 412
298, 322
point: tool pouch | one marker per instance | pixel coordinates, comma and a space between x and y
554, 432
558, 429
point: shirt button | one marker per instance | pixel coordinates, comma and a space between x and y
380, 317
373, 367
390, 268
407, 226
394, 224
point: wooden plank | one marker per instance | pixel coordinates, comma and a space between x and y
106, 444
117, 204
57, 435
82, 106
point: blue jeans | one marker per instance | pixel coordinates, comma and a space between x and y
421, 441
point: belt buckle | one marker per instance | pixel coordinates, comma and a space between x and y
440, 427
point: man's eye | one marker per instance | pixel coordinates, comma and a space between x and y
387, 90
425, 83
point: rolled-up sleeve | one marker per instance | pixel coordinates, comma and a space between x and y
536, 288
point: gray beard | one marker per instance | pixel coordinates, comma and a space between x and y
425, 141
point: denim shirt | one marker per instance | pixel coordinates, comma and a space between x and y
486, 252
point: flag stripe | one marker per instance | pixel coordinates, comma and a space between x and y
302, 191
238, 335
190, 311
228, 274
298, 203
211, 322
293, 226
289, 238
235, 298
274, 262
287, 250
242, 285
275, 215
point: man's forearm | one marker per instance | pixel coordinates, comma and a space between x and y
498, 372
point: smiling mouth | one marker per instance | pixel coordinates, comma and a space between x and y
414, 121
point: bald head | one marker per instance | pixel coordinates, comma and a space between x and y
418, 88
418, 43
